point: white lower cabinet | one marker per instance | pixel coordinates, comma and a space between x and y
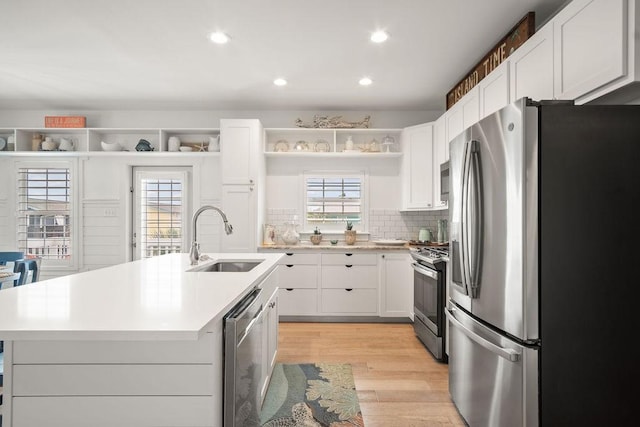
298, 302
356, 283
115, 383
350, 301
349, 284
298, 278
396, 285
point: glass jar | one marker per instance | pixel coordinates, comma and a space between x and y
290, 235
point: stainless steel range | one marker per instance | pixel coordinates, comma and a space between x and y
429, 296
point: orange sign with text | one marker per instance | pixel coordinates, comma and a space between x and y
65, 121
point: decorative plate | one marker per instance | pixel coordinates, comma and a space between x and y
322, 146
3, 143
301, 146
281, 146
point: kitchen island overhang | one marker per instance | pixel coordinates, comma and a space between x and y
138, 343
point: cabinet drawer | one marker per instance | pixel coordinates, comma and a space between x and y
298, 258
113, 380
355, 276
204, 350
298, 276
349, 258
356, 301
108, 411
298, 302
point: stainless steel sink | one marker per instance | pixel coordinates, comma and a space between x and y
227, 266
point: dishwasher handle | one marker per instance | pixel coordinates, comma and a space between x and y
507, 353
246, 331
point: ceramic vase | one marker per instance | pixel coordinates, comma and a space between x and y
350, 237
315, 238
36, 140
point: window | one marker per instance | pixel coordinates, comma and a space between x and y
332, 200
45, 213
160, 211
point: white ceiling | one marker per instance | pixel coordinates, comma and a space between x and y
155, 54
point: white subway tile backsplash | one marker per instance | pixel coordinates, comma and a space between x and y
383, 223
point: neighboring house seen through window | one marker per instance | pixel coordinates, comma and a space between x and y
45, 213
332, 200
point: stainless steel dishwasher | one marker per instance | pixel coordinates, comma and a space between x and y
243, 361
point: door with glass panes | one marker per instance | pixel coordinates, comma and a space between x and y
160, 210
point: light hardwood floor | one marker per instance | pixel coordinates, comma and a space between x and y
399, 383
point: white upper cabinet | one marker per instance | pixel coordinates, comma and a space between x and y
470, 108
417, 166
240, 145
590, 46
494, 90
531, 67
463, 114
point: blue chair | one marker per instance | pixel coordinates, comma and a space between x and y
29, 270
13, 257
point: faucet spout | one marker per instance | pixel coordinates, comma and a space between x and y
194, 252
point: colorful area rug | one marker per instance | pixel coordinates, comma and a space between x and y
311, 395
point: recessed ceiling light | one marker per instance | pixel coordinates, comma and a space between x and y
365, 81
379, 36
279, 82
219, 37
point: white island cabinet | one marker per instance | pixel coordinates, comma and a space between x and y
136, 344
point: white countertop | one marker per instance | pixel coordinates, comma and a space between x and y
341, 246
151, 299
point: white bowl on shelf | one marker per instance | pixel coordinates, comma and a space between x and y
186, 148
111, 146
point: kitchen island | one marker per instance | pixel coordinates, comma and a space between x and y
136, 344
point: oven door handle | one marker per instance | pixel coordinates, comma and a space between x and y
422, 270
507, 353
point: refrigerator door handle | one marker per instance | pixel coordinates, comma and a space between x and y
474, 218
464, 238
506, 353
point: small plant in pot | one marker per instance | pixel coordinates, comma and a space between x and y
316, 237
350, 234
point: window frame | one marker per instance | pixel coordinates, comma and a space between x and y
75, 222
362, 226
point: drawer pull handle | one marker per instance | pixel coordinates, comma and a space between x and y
349, 265
289, 265
348, 254
348, 289
288, 289
289, 253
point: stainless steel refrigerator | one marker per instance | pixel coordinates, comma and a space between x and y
544, 230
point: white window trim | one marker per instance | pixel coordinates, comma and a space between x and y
336, 228
75, 221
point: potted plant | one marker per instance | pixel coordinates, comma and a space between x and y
350, 234
316, 237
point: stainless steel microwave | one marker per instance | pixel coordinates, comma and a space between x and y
444, 181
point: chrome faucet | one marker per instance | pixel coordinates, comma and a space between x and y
194, 253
